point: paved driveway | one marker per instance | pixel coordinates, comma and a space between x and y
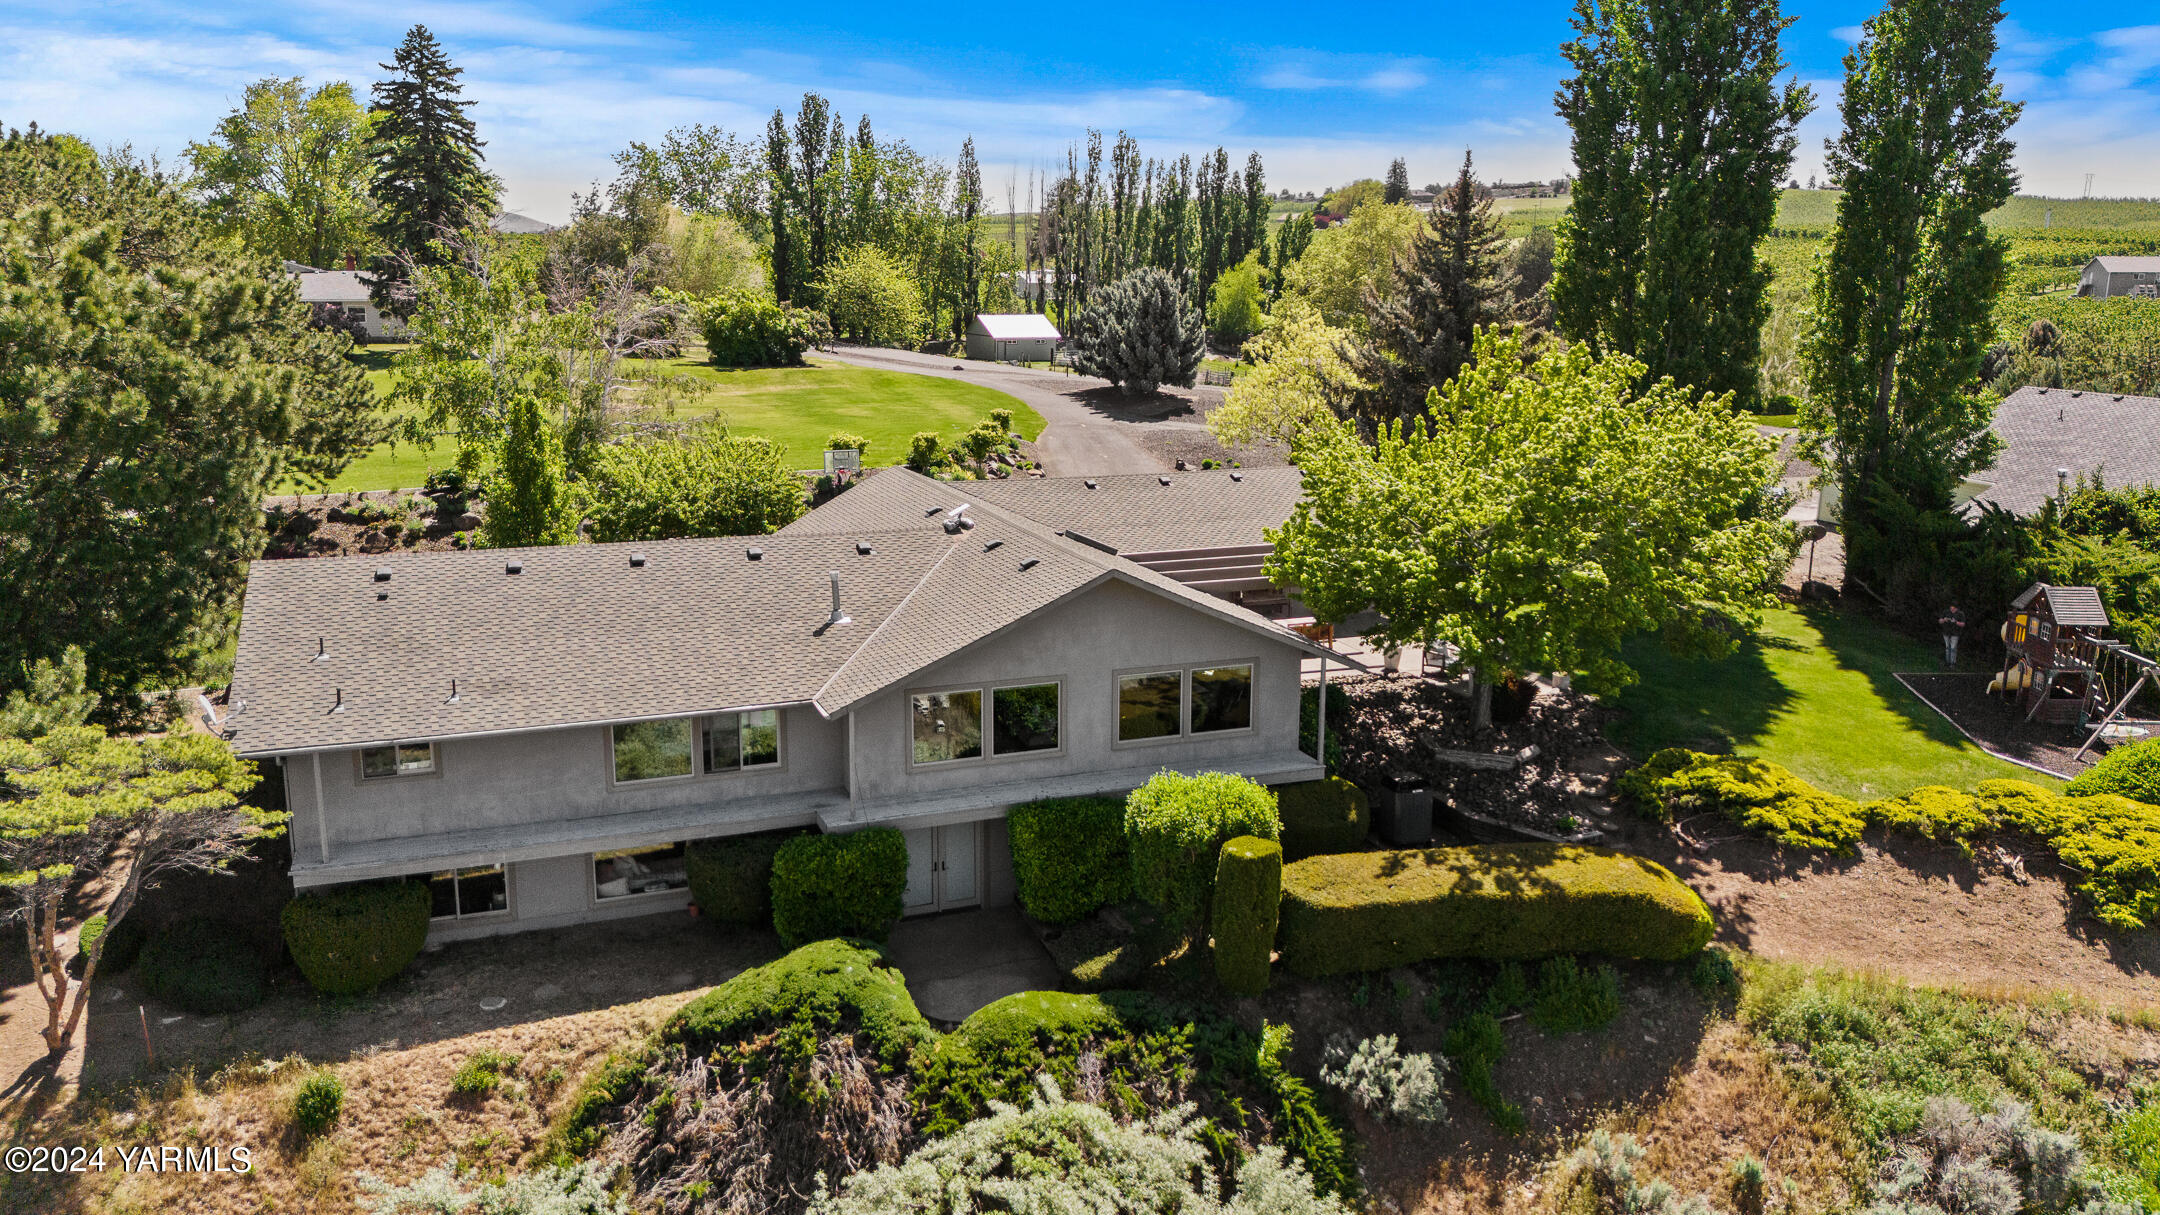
1078, 439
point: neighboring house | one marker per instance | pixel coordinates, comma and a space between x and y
538, 732
1032, 286
1012, 337
2107, 277
346, 290
513, 224
2051, 436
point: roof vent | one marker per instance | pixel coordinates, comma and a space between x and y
1030, 563
755, 554
321, 651
637, 561
1237, 476
863, 549
1091, 483
2043, 392
2077, 394
513, 567
991, 544
2118, 396
338, 705
380, 596
382, 573
837, 617
1164, 480
454, 697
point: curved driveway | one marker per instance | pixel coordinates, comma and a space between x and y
1076, 440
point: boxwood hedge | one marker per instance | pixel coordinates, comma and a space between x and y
1367, 911
731, 878
850, 885
1320, 816
1069, 857
2132, 772
830, 986
1176, 824
1248, 895
355, 938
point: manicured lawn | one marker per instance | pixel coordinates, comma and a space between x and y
798, 406
1813, 692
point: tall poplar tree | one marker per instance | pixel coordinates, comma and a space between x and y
779, 201
1903, 297
1453, 280
967, 205
1682, 136
428, 181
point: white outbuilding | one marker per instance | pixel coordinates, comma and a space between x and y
1012, 337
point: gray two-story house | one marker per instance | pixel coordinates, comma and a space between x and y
538, 733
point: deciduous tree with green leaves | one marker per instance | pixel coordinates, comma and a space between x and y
1682, 138
1237, 307
704, 483
1299, 379
1349, 260
428, 182
286, 173
1904, 295
1551, 512
76, 803
871, 299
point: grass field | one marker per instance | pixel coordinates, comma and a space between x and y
798, 406
1813, 691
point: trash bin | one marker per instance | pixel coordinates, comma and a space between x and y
1402, 812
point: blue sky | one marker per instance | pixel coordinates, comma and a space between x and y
1326, 93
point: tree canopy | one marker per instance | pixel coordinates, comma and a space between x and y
1346, 262
428, 182
706, 483
1140, 333
1299, 379
1550, 512
286, 173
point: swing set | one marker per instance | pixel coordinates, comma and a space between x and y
2058, 665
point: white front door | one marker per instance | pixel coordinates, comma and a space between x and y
944, 868
921, 870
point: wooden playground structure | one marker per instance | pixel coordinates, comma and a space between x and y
2059, 666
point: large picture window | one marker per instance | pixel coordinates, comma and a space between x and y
652, 750
1148, 705
1024, 719
946, 726
1221, 699
460, 893
404, 759
654, 869
742, 740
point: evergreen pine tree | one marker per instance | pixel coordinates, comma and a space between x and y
1140, 333
1398, 182
1681, 136
1905, 293
428, 182
1453, 280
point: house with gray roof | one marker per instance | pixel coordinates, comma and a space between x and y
538, 733
2052, 436
347, 291
2109, 277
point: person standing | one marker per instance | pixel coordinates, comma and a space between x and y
1953, 625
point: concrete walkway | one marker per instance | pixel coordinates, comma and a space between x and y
959, 961
1078, 439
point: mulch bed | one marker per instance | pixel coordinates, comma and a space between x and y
1396, 726
349, 524
1999, 729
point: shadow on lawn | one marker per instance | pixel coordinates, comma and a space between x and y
1869, 647
1712, 705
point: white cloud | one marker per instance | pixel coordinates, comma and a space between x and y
1314, 70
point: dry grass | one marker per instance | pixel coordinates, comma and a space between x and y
400, 1119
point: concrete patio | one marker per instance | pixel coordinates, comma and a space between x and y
959, 961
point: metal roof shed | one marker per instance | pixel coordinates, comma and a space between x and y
1012, 337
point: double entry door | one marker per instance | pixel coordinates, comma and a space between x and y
944, 867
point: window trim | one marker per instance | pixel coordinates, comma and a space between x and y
359, 759
988, 690
1184, 733
594, 899
507, 911
614, 779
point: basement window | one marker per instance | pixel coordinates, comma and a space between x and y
654, 869
462, 893
403, 759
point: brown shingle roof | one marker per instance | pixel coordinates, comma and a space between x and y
582, 636
1215, 508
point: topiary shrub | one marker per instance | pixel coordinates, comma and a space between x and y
1365, 911
1320, 816
1248, 893
839, 885
204, 967
317, 1104
1755, 793
731, 878
828, 987
2132, 772
355, 938
1069, 856
1177, 824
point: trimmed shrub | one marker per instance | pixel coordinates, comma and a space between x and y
1755, 793
1176, 824
355, 938
828, 987
1367, 911
839, 885
2132, 772
203, 966
1069, 856
731, 878
1248, 894
1321, 816
317, 1104
745, 329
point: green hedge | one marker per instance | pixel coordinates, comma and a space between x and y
745, 329
1248, 895
830, 986
355, 938
1321, 816
1175, 826
1755, 793
2132, 772
1366, 911
839, 885
203, 967
731, 878
1069, 857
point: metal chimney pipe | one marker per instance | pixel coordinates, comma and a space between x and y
837, 618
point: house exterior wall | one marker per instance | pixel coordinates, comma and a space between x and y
1026, 350
1084, 644
2101, 284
